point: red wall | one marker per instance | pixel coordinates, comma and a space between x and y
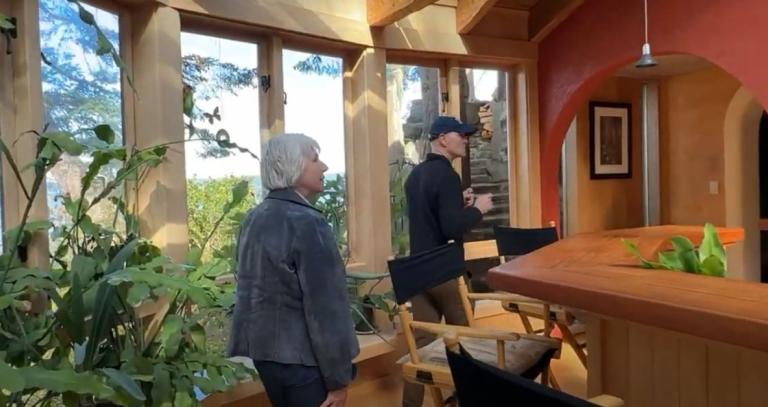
602, 35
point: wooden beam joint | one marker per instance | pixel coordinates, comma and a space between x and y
470, 12
385, 12
546, 15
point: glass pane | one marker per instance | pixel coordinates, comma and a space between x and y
314, 106
223, 75
80, 91
413, 100
484, 104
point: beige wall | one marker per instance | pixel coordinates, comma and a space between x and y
607, 203
692, 110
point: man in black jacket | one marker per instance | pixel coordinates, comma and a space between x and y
438, 211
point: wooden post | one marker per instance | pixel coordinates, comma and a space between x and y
271, 99
22, 111
525, 145
365, 111
156, 49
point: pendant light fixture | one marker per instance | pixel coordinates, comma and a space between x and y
646, 59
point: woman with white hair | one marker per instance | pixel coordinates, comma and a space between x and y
291, 311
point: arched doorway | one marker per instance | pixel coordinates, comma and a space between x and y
609, 37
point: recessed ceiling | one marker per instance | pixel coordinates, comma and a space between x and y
668, 65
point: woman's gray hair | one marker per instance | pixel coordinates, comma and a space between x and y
283, 160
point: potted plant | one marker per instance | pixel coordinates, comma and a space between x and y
362, 305
707, 259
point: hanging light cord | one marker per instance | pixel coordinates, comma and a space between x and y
645, 13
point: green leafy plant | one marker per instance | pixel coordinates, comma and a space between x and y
363, 304
333, 203
398, 173
708, 259
91, 341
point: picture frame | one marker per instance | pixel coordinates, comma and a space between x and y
610, 140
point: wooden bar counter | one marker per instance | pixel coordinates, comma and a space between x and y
655, 337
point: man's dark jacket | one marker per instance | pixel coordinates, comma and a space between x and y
436, 211
292, 305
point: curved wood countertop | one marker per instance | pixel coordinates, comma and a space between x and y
595, 273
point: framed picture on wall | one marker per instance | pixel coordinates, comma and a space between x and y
610, 140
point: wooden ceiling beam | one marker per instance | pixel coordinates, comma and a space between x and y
470, 12
546, 15
384, 12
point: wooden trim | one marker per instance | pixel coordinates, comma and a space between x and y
397, 37
410, 340
470, 12
28, 115
527, 200
397, 58
483, 249
11, 192
464, 295
454, 100
385, 12
127, 97
271, 100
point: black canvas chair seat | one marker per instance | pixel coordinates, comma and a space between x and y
419, 272
482, 385
518, 241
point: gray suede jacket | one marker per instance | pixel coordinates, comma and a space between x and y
292, 305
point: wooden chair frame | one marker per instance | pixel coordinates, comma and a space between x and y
528, 308
436, 377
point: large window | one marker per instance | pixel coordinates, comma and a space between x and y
413, 102
222, 145
81, 90
314, 105
484, 104
220, 76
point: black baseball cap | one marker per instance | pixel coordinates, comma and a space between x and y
447, 124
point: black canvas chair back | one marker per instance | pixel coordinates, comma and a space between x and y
414, 274
517, 241
482, 385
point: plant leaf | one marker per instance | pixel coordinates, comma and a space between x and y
85, 15
137, 294
12, 380
65, 380
125, 382
103, 46
105, 133
162, 394
170, 335
711, 246
66, 141
713, 266
670, 260
681, 243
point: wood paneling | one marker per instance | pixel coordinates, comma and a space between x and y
647, 366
